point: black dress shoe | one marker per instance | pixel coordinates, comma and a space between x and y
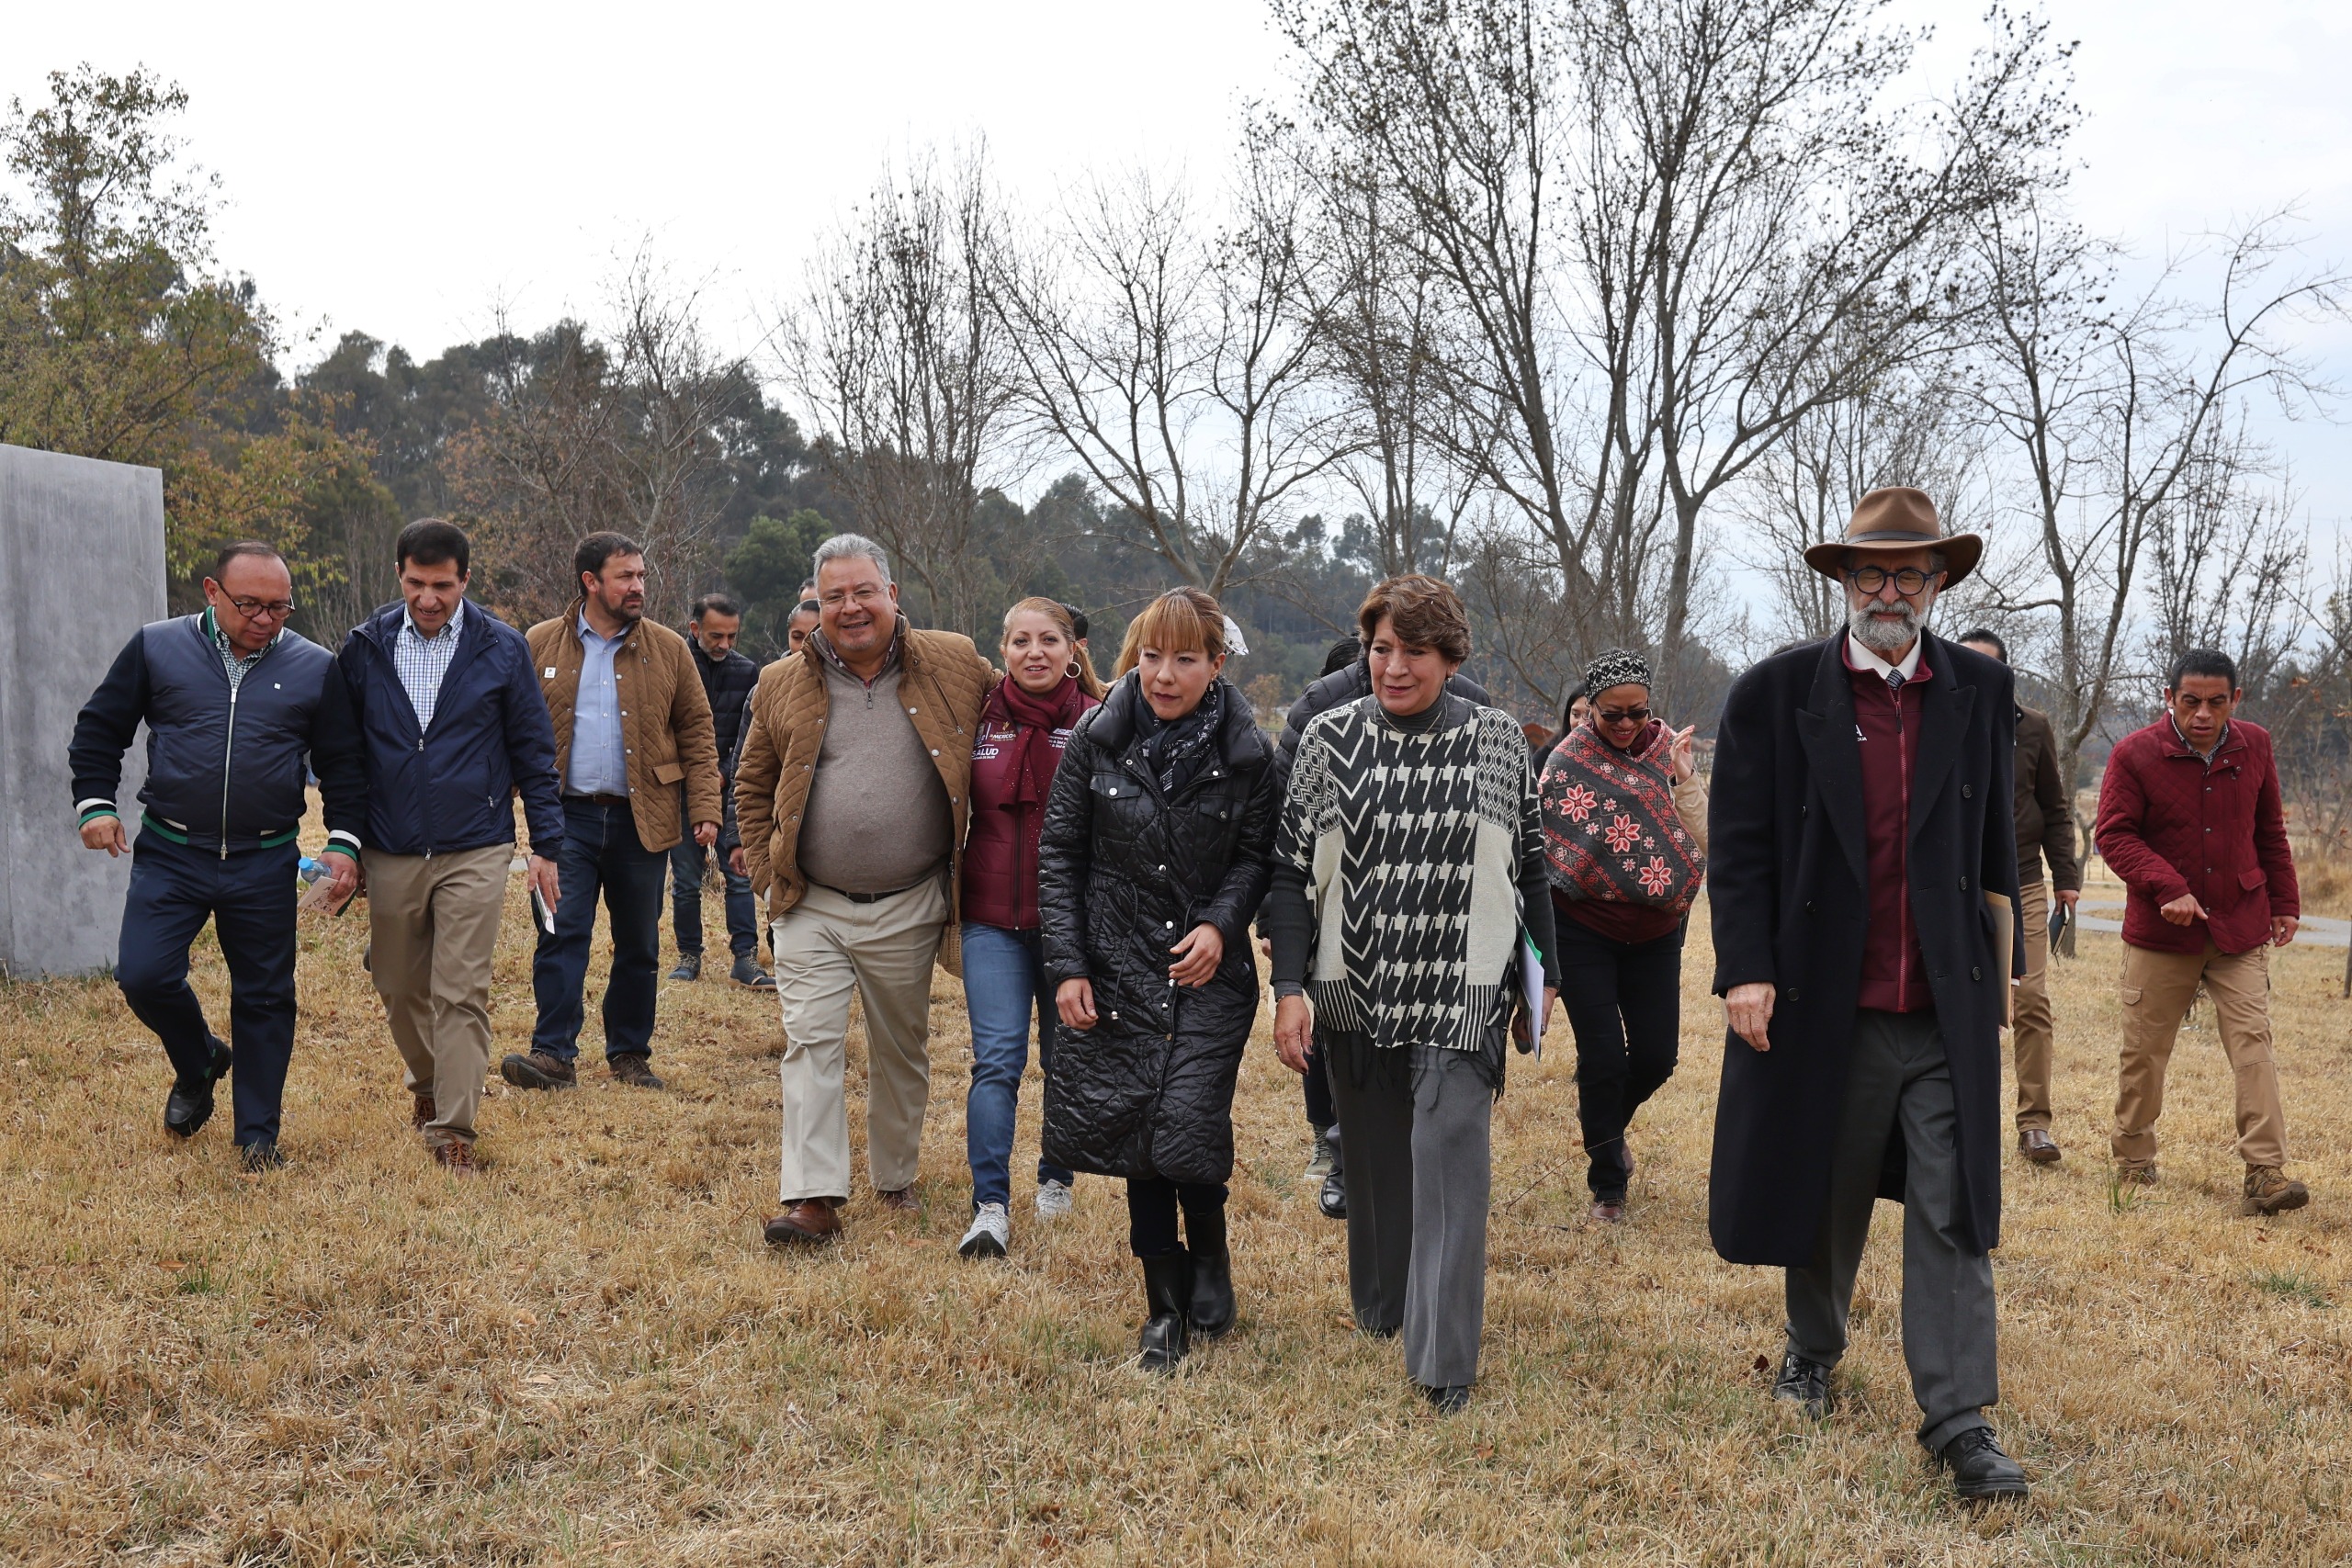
1449, 1400
261, 1156
1980, 1470
1333, 1198
1805, 1384
189, 1105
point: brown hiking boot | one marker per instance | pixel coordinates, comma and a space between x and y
2136, 1172
2269, 1190
457, 1156
631, 1068
422, 1113
540, 1069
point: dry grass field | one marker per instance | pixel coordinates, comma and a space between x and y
588, 1357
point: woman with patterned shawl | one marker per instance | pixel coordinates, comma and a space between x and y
1625, 830
1408, 873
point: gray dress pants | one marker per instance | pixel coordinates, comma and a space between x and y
1418, 1176
1899, 1077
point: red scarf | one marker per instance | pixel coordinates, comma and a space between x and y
1610, 828
1034, 718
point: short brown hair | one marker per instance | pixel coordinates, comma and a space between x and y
1422, 611
1183, 620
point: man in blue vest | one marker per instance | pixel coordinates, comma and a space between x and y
239, 710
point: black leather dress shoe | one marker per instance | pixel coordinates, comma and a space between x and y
1803, 1383
1333, 1198
189, 1105
1449, 1400
260, 1157
1980, 1470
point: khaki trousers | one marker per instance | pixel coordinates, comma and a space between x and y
2031, 1031
2157, 989
827, 945
433, 925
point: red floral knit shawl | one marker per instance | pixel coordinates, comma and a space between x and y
1610, 828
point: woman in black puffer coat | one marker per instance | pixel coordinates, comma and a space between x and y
1156, 852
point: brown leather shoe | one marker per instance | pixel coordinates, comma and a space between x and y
2038, 1145
807, 1223
2271, 1191
538, 1070
2136, 1173
457, 1156
631, 1070
903, 1200
422, 1113
1608, 1211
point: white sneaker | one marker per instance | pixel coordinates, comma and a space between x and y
1053, 1200
990, 1232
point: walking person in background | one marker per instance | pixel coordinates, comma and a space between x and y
1575, 708
453, 727
803, 620
1861, 846
631, 726
728, 678
851, 794
2046, 812
1408, 872
238, 710
1152, 860
2190, 817
1625, 831
1027, 721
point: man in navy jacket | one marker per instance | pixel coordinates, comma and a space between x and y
238, 711
453, 727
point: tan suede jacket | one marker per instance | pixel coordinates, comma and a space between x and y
943, 682
666, 721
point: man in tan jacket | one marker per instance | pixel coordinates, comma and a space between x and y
631, 725
851, 794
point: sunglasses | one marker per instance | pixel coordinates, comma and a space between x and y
1624, 716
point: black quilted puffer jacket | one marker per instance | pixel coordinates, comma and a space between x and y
1124, 871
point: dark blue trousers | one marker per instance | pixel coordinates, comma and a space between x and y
688, 861
601, 852
250, 898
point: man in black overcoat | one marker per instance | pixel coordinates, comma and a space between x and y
1862, 851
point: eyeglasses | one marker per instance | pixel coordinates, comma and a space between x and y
1907, 581
1626, 715
263, 609
865, 596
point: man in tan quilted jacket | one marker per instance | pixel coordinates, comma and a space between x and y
632, 726
852, 791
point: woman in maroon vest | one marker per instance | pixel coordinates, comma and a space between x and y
1026, 724
1625, 828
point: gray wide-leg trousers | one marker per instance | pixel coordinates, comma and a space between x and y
1899, 1077
1419, 1175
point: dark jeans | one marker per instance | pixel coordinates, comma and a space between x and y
250, 900
1004, 983
600, 850
1624, 1002
687, 862
1152, 1202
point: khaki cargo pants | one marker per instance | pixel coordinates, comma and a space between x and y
2157, 989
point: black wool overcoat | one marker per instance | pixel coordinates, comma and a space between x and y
1123, 870
1788, 890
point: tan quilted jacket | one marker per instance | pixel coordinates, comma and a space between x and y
943, 682
666, 721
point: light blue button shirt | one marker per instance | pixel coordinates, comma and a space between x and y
599, 761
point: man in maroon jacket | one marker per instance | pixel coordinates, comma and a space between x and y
2189, 816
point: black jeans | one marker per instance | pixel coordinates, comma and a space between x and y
1153, 1201
1316, 1082
1624, 1002
600, 850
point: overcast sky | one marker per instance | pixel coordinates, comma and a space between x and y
403, 171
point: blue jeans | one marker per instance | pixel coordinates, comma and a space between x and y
250, 898
600, 850
1004, 980
687, 862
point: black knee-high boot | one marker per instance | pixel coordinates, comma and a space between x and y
1168, 1289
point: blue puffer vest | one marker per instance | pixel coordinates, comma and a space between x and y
225, 771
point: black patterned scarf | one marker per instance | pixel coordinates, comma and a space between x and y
1175, 749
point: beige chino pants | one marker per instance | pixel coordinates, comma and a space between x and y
432, 924
2157, 989
2032, 1034
827, 946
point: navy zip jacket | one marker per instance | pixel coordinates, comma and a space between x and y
224, 770
452, 788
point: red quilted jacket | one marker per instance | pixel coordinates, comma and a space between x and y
1001, 855
2170, 822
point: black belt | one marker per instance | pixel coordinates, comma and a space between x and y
600, 799
868, 898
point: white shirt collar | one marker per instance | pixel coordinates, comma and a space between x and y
1862, 658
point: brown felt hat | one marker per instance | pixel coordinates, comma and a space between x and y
1898, 518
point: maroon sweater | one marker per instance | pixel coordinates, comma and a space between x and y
1894, 974
2170, 822
1000, 854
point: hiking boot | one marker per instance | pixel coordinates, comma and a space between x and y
689, 967
1981, 1473
2038, 1145
1053, 1200
991, 1232
630, 1067
456, 1155
2269, 1190
422, 1112
1804, 1383
189, 1105
259, 1156
1323, 1159
747, 972
540, 1069
2136, 1172
1609, 1209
